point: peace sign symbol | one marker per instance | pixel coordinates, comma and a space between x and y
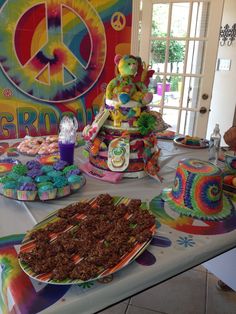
59, 48
118, 21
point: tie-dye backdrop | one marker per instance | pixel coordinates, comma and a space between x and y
57, 56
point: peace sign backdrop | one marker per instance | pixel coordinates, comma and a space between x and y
57, 56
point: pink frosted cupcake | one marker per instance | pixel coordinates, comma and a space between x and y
27, 191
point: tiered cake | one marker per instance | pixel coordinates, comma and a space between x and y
122, 138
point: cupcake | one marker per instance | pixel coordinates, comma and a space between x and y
27, 191
20, 169
33, 164
60, 165
62, 185
73, 171
34, 172
54, 174
69, 168
24, 179
46, 168
75, 182
46, 191
4, 180
40, 179
9, 189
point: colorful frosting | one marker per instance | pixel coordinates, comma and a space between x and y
20, 169
34, 172
74, 179
24, 179
10, 185
54, 173
60, 165
73, 171
47, 168
69, 168
197, 191
60, 182
28, 186
33, 164
40, 179
47, 186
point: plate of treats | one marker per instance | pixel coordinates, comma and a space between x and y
33, 146
36, 182
191, 142
87, 240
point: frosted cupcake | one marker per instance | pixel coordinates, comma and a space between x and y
4, 180
34, 172
27, 191
24, 179
47, 168
69, 168
46, 191
20, 169
60, 165
62, 185
31, 164
54, 174
9, 189
75, 182
40, 179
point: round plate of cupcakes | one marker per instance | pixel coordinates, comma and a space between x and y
36, 182
87, 240
191, 142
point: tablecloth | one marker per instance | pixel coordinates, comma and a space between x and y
177, 246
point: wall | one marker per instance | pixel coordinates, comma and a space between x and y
224, 92
57, 57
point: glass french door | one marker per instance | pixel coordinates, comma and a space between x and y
179, 40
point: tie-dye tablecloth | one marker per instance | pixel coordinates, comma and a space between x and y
178, 245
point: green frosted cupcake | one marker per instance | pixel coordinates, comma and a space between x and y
54, 174
20, 169
75, 182
10, 189
40, 179
47, 191
62, 186
47, 168
69, 168
24, 179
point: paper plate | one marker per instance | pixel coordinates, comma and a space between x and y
179, 141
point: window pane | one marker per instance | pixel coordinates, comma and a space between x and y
195, 57
170, 116
179, 21
199, 21
176, 56
190, 95
160, 19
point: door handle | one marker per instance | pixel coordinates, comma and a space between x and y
205, 96
204, 110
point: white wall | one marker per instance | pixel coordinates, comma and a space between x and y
224, 90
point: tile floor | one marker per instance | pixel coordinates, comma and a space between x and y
193, 292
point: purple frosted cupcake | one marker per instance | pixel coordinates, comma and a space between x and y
60, 165
33, 164
34, 172
27, 191
72, 172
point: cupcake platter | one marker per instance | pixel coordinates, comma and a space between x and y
77, 244
181, 141
36, 182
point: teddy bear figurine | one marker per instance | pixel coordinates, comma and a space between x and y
124, 87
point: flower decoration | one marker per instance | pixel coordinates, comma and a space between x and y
146, 123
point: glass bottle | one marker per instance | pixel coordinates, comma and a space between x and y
214, 144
